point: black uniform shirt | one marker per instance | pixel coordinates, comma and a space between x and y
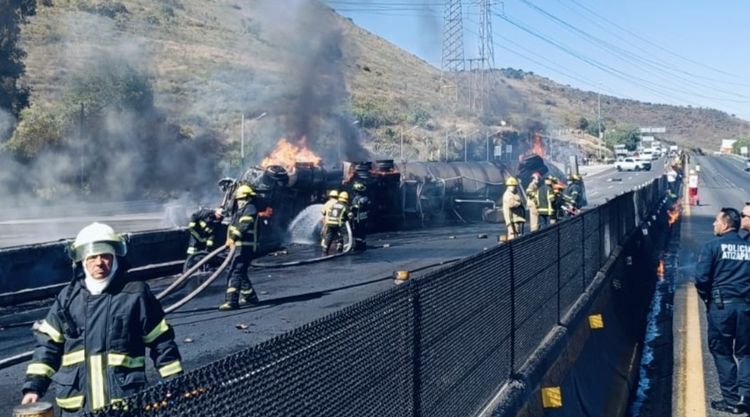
724, 263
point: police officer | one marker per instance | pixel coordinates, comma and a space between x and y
242, 234
201, 227
514, 211
360, 211
722, 278
334, 220
532, 200
94, 338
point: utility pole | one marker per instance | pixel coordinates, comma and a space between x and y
599, 122
83, 144
242, 139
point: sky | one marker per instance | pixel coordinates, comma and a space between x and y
678, 52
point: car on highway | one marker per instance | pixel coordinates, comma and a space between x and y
633, 164
747, 164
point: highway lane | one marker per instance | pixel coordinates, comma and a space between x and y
297, 295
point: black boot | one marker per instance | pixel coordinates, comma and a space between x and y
725, 406
248, 297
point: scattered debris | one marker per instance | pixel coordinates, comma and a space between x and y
386, 245
399, 277
482, 236
241, 326
264, 293
188, 340
451, 237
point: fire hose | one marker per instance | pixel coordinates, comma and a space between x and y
347, 248
25, 356
189, 272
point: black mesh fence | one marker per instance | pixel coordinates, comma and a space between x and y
439, 345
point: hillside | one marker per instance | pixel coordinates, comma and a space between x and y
307, 72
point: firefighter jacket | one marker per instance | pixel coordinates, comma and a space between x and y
544, 196
243, 229
532, 194
360, 208
513, 208
327, 205
337, 214
96, 352
575, 194
723, 268
202, 224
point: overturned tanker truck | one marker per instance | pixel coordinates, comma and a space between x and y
407, 195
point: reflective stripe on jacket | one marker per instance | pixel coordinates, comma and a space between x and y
335, 215
104, 360
244, 227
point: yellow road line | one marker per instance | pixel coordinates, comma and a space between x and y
695, 391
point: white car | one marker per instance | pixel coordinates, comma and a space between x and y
632, 164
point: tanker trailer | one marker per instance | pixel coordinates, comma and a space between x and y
435, 192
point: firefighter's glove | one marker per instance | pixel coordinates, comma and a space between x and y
230, 243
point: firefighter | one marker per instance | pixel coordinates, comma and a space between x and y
532, 200
575, 194
544, 196
360, 210
722, 279
334, 220
201, 228
557, 202
693, 188
94, 338
514, 212
242, 234
333, 196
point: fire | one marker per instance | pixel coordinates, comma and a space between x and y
286, 154
674, 213
537, 146
660, 269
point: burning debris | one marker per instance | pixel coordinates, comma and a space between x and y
287, 155
673, 213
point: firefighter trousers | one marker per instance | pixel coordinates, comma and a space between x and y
333, 237
237, 280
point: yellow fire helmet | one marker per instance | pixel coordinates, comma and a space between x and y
97, 239
333, 194
511, 181
243, 192
344, 197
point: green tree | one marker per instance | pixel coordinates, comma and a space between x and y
743, 141
626, 134
13, 98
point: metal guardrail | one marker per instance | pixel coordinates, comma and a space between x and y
438, 345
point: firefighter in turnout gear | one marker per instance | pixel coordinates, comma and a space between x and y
201, 228
544, 208
722, 279
243, 235
575, 194
333, 197
334, 221
532, 200
360, 210
557, 202
94, 338
514, 212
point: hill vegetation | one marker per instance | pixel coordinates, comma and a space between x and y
162, 87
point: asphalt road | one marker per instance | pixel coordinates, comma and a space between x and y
294, 296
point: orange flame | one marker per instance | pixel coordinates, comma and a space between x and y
537, 146
660, 269
674, 213
287, 154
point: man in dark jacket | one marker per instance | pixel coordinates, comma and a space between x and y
360, 212
243, 234
93, 341
722, 278
201, 227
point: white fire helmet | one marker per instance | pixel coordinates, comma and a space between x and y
97, 239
